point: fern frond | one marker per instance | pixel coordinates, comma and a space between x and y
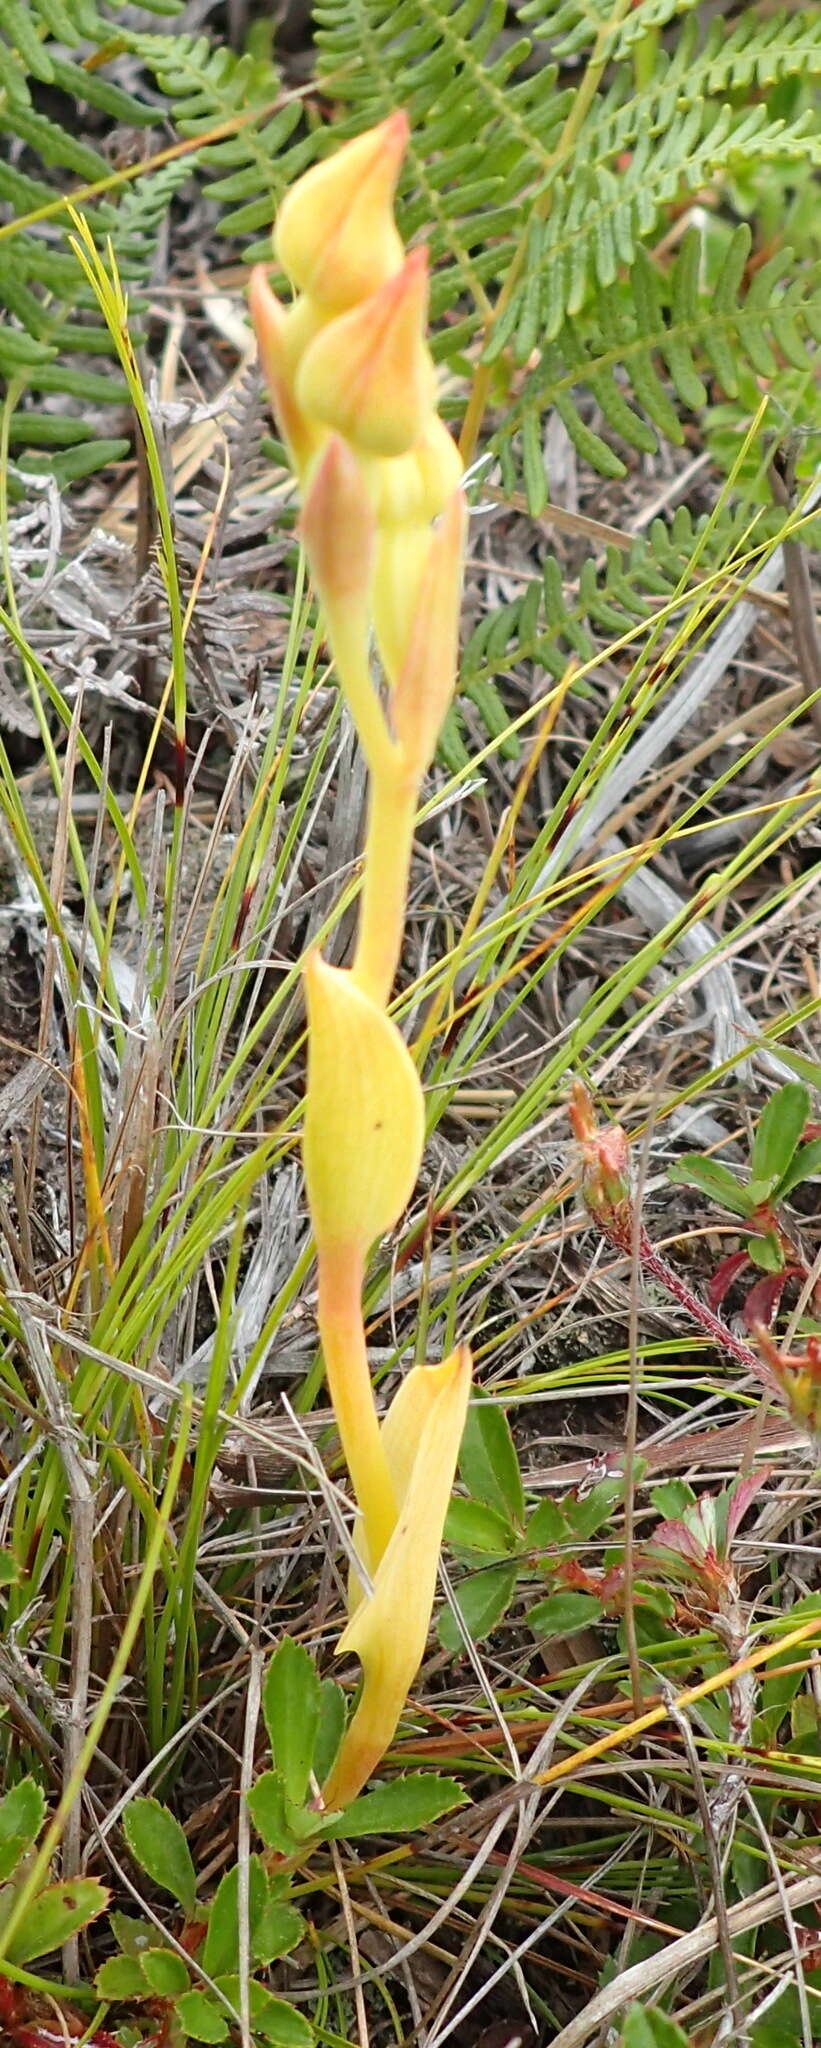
651, 338
48, 329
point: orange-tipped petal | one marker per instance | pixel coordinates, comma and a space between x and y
364, 1114
335, 234
428, 674
389, 1630
369, 373
337, 529
271, 325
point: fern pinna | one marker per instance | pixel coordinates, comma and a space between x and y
51, 55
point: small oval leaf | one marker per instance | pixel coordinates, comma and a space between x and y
779, 1130
158, 1844
290, 1703
488, 1463
481, 1599
57, 1913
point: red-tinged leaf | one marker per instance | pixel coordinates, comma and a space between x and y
743, 1493
763, 1299
724, 1276
680, 1541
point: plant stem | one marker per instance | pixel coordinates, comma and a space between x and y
391, 819
342, 1331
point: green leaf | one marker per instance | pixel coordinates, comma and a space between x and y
766, 1253
481, 1599
647, 2027
200, 2018
672, 1499
399, 1808
546, 1525
165, 1971
804, 1165
563, 1613
282, 1825
121, 1977
274, 1927
470, 1525
22, 1811
57, 1913
158, 1844
279, 1930
12, 1852
291, 1704
713, 1180
330, 1729
221, 1946
778, 1131
588, 1515
271, 2017
133, 1936
9, 1569
488, 1463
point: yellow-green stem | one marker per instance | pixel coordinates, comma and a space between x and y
342, 1330
391, 819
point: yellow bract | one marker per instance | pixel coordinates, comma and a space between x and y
388, 1629
364, 1113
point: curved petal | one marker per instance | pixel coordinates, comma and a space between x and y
389, 1630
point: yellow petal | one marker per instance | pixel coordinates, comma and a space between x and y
369, 373
364, 1114
428, 674
275, 342
389, 1631
416, 487
401, 1436
409, 493
335, 234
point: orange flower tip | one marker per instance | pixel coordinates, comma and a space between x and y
337, 526
335, 234
272, 326
338, 529
369, 374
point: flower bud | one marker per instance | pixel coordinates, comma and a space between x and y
369, 374
335, 234
364, 1114
337, 528
409, 493
275, 343
428, 674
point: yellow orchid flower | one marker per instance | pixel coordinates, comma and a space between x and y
335, 234
388, 1629
369, 373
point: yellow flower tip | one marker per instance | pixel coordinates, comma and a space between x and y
337, 529
388, 1631
416, 487
364, 1114
335, 235
369, 373
272, 327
